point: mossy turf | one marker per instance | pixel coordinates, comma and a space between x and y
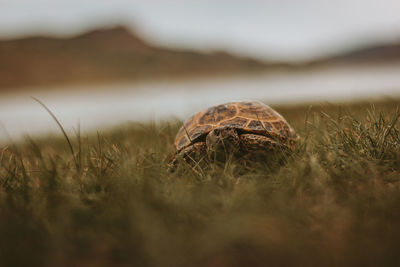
113, 202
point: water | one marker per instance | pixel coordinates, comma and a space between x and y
106, 106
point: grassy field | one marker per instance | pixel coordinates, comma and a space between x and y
334, 202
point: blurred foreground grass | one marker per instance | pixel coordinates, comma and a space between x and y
336, 202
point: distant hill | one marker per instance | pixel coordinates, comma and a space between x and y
118, 55
369, 55
105, 55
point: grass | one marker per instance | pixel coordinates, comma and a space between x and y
113, 202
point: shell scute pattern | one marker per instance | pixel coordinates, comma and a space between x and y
198, 131
181, 142
189, 124
277, 125
257, 111
250, 116
235, 122
268, 126
215, 114
256, 125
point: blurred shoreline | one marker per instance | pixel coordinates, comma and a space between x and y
116, 104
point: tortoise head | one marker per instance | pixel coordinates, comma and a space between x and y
223, 140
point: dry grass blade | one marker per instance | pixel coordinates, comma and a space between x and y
71, 148
333, 204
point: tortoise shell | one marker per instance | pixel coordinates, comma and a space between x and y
251, 117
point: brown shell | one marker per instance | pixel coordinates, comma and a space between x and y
251, 116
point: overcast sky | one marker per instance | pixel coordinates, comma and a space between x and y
273, 29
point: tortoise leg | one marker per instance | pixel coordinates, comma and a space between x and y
253, 142
192, 155
257, 147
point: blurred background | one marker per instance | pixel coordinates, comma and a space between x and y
102, 63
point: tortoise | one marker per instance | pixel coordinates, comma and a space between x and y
239, 127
